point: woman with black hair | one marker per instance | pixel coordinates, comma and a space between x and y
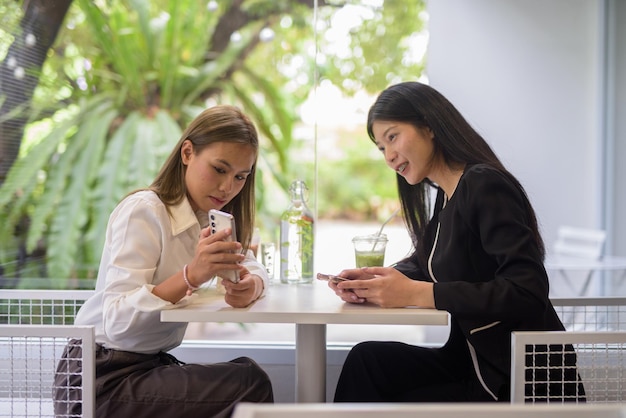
478, 255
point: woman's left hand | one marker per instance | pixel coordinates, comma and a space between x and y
242, 294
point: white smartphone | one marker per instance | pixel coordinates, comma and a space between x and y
330, 278
218, 221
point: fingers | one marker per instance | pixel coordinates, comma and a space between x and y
205, 232
222, 235
347, 295
350, 296
241, 294
351, 273
354, 284
214, 255
376, 271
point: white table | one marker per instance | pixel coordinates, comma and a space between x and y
310, 307
563, 264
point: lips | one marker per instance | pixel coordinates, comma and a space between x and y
400, 169
218, 201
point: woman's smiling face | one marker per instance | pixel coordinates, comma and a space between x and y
408, 151
215, 175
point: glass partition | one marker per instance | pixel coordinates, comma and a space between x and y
94, 94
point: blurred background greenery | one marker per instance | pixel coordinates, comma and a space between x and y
93, 95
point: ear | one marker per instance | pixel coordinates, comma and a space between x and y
186, 151
429, 133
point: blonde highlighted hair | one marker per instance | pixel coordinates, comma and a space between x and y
221, 123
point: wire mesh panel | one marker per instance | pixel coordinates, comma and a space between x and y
592, 314
568, 366
41, 307
36, 379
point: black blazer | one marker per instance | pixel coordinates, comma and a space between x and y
488, 273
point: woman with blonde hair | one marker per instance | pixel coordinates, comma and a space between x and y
158, 250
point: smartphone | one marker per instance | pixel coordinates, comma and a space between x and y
218, 221
330, 278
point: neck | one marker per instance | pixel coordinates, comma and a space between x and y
449, 178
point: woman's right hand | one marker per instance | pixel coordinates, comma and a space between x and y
213, 255
348, 295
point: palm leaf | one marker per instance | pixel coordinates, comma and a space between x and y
58, 179
282, 108
66, 227
10, 218
212, 71
142, 8
264, 122
112, 182
167, 73
25, 169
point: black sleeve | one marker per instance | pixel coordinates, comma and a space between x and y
411, 269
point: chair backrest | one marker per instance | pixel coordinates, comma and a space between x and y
592, 313
36, 379
544, 368
41, 307
579, 242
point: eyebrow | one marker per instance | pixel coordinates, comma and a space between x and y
227, 164
385, 132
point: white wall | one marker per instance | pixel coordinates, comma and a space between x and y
617, 112
527, 75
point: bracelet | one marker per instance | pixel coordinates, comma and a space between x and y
190, 288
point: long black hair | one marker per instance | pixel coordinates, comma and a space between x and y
454, 139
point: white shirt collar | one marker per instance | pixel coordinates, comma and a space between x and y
183, 217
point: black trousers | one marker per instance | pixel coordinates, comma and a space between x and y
158, 385
398, 372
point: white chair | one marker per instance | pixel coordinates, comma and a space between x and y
41, 306
40, 326
543, 368
578, 249
579, 242
592, 313
30, 358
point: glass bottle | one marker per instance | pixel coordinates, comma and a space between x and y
296, 238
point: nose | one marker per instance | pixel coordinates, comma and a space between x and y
226, 185
390, 156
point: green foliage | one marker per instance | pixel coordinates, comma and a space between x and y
381, 45
125, 77
359, 185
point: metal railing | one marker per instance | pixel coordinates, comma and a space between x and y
568, 366
592, 313
31, 356
41, 307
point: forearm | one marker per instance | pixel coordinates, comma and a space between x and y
424, 295
174, 288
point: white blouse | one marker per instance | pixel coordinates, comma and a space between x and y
144, 245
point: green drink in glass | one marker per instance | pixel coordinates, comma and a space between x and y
369, 250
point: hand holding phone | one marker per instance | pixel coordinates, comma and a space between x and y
330, 278
219, 221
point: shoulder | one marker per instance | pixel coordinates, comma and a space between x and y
485, 172
484, 190
147, 197
486, 178
143, 203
